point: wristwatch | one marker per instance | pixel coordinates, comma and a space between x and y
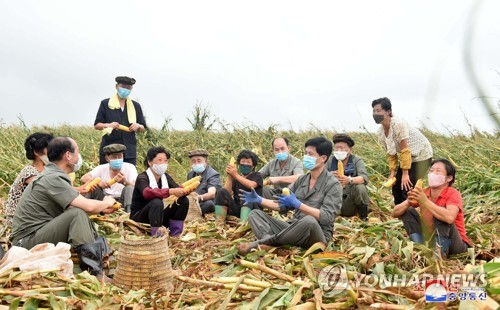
350, 180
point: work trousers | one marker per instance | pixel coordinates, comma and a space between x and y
417, 171
156, 215
355, 195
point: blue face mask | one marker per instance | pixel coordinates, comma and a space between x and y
123, 92
198, 168
245, 169
282, 156
116, 164
309, 162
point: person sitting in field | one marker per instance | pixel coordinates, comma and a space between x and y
36, 150
210, 180
51, 209
123, 174
355, 198
151, 187
282, 170
247, 179
441, 211
316, 198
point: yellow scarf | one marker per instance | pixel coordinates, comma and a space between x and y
115, 104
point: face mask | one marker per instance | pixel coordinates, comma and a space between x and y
78, 164
309, 162
198, 168
436, 180
245, 169
282, 156
116, 164
378, 118
159, 169
340, 155
123, 92
44, 159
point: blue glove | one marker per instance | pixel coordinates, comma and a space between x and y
289, 201
250, 197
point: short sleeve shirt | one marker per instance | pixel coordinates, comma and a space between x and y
47, 197
209, 178
254, 176
448, 197
293, 166
103, 172
326, 195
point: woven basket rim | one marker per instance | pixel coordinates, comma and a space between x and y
146, 241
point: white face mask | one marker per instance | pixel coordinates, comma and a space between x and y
340, 155
44, 159
159, 169
78, 164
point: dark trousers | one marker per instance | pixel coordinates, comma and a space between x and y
446, 235
417, 171
207, 206
154, 214
224, 198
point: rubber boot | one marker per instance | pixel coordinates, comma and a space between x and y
417, 238
175, 227
363, 212
156, 232
245, 248
90, 257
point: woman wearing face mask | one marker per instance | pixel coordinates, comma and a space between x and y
441, 211
210, 180
355, 198
247, 179
415, 151
151, 187
118, 110
36, 150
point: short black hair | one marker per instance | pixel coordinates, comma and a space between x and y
450, 168
152, 152
248, 154
58, 147
323, 146
286, 141
384, 102
36, 142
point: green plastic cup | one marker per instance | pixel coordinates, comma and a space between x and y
245, 211
220, 213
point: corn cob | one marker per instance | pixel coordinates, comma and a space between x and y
390, 182
111, 182
117, 206
285, 191
92, 183
123, 128
189, 186
419, 184
72, 177
340, 168
232, 162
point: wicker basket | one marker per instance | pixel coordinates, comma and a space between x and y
194, 212
144, 264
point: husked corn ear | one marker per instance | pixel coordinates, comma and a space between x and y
111, 182
117, 206
190, 181
266, 181
232, 161
285, 191
191, 187
390, 182
92, 183
419, 183
123, 128
340, 167
72, 177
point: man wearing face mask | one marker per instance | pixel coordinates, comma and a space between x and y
281, 171
355, 198
247, 179
117, 177
441, 211
396, 137
118, 110
210, 180
51, 210
316, 199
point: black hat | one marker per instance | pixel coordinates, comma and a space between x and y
125, 80
342, 137
114, 148
198, 152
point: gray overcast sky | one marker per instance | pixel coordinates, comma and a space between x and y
292, 63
